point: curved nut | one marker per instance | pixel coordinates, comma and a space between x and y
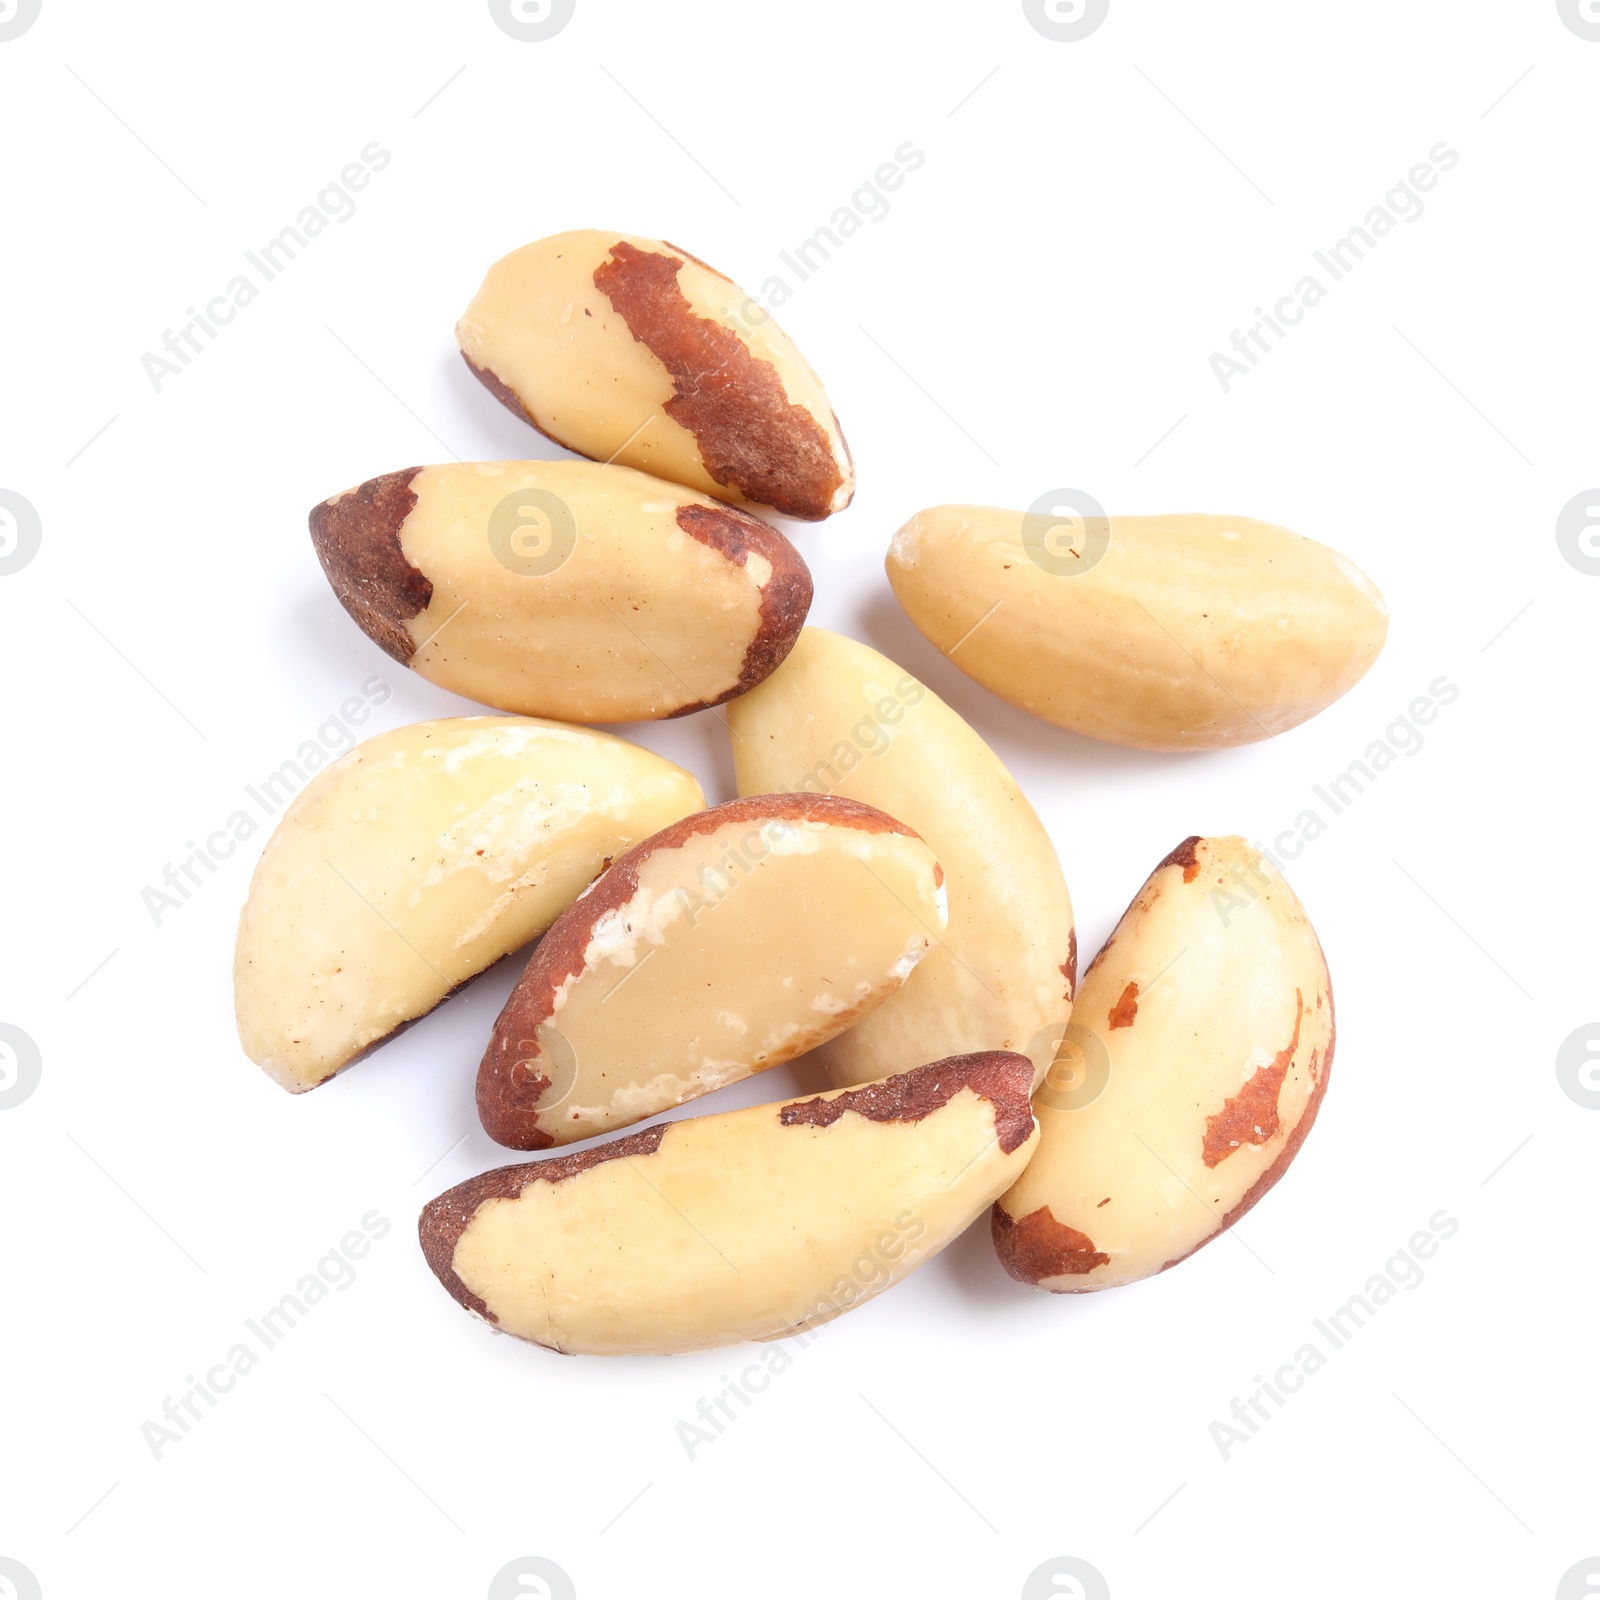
753, 1224
629, 349
419, 859
1197, 1059
1181, 632
838, 718
564, 589
733, 941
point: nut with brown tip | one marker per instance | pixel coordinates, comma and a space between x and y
731, 942
1198, 1056
752, 1224
563, 588
629, 349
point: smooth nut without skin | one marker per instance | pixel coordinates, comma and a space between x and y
563, 588
733, 941
417, 860
752, 1224
1211, 1009
838, 718
1181, 633
632, 350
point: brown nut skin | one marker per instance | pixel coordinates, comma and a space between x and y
1199, 1052
630, 349
767, 926
753, 1224
650, 600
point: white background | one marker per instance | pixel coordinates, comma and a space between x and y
1037, 309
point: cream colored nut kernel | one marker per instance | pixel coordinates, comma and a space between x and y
1197, 1058
564, 588
838, 718
1178, 632
630, 349
733, 941
419, 859
752, 1224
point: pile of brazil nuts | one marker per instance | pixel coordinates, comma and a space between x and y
881, 897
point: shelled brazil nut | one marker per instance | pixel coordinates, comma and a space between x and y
732, 941
686, 949
838, 718
564, 589
629, 349
417, 860
1165, 633
1204, 1038
751, 1224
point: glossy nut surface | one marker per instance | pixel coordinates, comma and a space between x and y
733, 941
